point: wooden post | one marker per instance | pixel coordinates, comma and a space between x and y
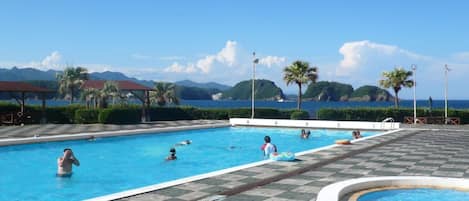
43, 109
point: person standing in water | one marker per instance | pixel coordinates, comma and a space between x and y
64, 163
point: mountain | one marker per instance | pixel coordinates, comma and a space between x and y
20, 74
108, 75
371, 93
328, 91
264, 90
195, 93
207, 85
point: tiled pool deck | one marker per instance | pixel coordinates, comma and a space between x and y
441, 151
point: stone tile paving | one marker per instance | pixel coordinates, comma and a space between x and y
404, 153
57, 129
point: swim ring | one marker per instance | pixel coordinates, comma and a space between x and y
343, 142
282, 156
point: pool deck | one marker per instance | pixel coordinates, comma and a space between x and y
426, 150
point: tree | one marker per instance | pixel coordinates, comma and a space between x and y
91, 96
70, 80
164, 93
300, 73
100, 98
396, 79
109, 90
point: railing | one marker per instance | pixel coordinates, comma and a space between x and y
433, 120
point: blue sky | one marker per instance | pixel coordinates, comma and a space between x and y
349, 41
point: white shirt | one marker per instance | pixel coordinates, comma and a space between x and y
268, 149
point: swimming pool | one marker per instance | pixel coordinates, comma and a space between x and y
416, 194
114, 164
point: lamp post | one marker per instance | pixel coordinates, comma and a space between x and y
446, 93
414, 68
254, 62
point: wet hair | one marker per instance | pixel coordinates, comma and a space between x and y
66, 149
267, 139
172, 150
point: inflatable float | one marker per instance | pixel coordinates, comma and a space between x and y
282, 156
343, 142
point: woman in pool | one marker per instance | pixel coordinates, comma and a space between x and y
268, 148
305, 134
172, 155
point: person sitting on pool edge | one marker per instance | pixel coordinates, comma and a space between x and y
64, 163
268, 147
172, 155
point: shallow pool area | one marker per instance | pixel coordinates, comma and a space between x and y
110, 165
415, 194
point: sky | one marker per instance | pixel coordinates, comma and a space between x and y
213, 41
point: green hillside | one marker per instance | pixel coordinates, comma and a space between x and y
195, 93
328, 91
371, 93
264, 89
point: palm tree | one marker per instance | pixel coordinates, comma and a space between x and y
164, 93
70, 80
301, 73
91, 96
397, 79
109, 90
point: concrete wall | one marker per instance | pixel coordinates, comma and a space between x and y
315, 124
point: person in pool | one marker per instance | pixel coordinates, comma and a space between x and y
305, 134
184, 142
356, 134
172, 155
64, 163
268, 148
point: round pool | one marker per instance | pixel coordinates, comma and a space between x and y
397, 188
411, 194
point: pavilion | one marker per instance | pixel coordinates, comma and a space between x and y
18, 90
125, 85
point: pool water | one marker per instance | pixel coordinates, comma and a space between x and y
114, 164
416, 194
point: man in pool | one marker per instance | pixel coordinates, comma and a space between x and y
268, 147
64, 163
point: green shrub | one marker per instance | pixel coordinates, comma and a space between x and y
379, 114
297, 115
86, 116
119, 116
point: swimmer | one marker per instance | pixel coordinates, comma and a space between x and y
184, 142
91, 138
305, 134
356, 134
172, 155
64, 163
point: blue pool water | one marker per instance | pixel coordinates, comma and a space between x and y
110, 165
416, 194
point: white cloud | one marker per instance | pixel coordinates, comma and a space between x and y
362, 55
272, 60
227, 55
178, 68
52, 61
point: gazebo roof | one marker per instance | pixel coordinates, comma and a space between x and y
9, 86
122, 84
